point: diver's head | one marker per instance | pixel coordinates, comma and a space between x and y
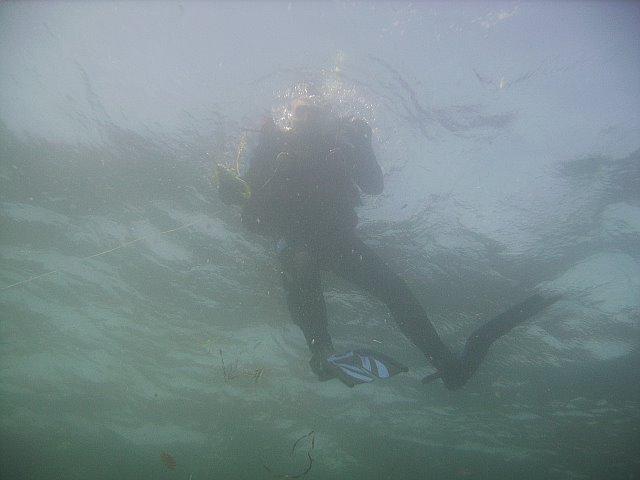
307, 115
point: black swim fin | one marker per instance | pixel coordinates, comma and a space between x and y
479, 342
363, 366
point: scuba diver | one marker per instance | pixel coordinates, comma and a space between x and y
301, 188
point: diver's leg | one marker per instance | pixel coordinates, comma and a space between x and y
355, 261
301, 279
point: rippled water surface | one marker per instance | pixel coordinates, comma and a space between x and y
509, 137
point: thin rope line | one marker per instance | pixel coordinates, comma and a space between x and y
123, 245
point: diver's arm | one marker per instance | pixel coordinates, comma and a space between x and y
234, 189
264, 151
259, 174
367, 173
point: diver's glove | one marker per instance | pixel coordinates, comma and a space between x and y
232, 189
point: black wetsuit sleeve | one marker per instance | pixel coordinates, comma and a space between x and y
257, 175
260, 158
367, 173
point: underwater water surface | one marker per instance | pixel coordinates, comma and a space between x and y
143, 330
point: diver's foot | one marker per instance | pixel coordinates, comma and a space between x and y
321, 367
454, 375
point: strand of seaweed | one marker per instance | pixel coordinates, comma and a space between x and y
311, 437
168, 460
232, 372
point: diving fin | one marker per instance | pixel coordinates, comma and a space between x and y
363, 366
483, 337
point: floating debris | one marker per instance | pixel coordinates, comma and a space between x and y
311, 435
168, 460
232, 372
256, 374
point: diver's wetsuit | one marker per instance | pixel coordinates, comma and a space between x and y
304, 194
350, 258
304, 186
